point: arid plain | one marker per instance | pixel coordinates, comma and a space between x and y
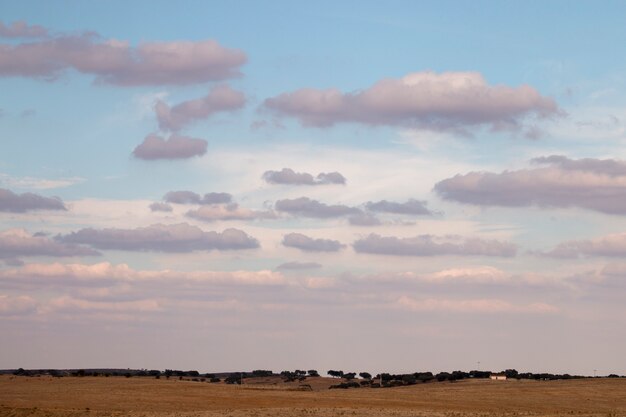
118, 396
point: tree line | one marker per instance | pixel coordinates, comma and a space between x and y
348, 379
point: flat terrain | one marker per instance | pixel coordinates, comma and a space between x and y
117, 396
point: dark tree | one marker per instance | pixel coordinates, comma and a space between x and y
365, 375
350, 375
511, 373
261, 373
313, 372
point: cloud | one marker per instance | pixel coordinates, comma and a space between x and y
478, 274
160, 207
20, 29
608, 167
427, 245
174, 147
220, 99
162, 238
106, 274
308, 244
70, 304
118, 63
290, 177
189, 197
412, 207
364, 219
39, 183
22, 203
613, 245
593, 184
306, 207
228, 212
298, 266
486, 306
450, 100
16, 306
16, 243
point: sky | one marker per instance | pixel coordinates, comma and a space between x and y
397, 187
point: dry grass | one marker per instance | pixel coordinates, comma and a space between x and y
99, 396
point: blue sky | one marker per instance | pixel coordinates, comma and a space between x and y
479, 187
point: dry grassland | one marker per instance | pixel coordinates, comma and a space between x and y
134, 397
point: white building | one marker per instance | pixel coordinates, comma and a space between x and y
498, 377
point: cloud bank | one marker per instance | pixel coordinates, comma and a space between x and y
613, 245
449, 100
484, 306
106, 274
428, 245
298, 266
17, 243
594, 184
162, 238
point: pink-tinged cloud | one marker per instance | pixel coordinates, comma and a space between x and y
162, 207
483, 306
410, 207
106, 274
613, 245
22, 203
428, 245
288, 176
17, 243
162, 238
479, 274
364, 219
231, 211
298, 266
449, 100
118, 63
189, 197
309, 244
306, 207
16, 305
221, 98
155, 147
68, 304
593, 184
21, 29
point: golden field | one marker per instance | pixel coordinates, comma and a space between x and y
118, 396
